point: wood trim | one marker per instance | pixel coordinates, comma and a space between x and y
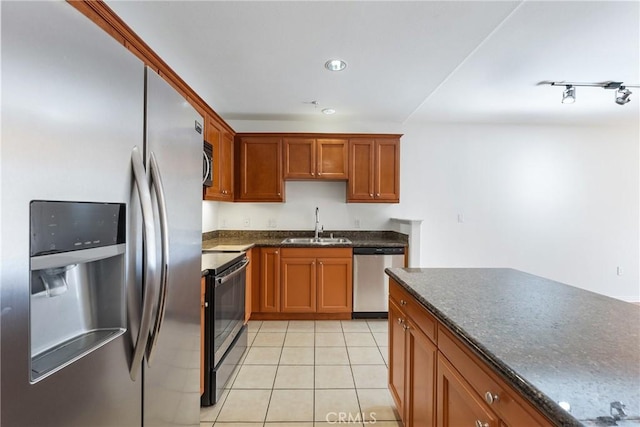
318, 135
103, 16
300, 316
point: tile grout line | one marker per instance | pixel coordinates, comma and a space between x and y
273, 385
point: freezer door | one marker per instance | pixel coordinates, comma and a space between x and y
72, 109
172, 370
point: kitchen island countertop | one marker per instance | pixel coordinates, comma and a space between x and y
550, 341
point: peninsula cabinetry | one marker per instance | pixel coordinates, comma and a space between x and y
435, 379
374, 170
412, 364
315, 158
259, 169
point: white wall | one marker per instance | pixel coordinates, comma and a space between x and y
560, 202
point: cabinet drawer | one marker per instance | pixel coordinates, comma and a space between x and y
502, 399
408, 304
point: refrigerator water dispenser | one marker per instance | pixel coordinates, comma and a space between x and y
77, 298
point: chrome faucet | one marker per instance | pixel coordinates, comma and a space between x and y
619, 409
320, 229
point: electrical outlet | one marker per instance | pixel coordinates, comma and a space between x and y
460, 218
246, 223
271, 223
356, 223
619, 271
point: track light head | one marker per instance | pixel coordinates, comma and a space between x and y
622, 95
569, 95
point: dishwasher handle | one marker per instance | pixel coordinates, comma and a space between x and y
379, 251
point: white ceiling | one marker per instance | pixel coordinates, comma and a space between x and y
419, 61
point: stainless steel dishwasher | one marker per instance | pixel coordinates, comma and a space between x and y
370, 283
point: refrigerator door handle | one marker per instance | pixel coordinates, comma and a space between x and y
156, 181
149, 241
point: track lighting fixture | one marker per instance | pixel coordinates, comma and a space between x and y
569, 94
622, 96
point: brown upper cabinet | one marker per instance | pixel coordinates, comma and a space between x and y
251, 169
259, 169
374, 170
221, 141
315, 158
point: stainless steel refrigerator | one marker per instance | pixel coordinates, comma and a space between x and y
100, 303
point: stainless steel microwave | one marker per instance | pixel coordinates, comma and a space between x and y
207, 165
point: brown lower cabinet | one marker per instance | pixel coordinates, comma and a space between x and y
203, 289
436, 380
302, 282
412, 369
248, 287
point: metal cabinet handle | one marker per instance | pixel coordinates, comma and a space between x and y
156, 181
405, 327
403, 302
490, 398
377, 194
206, 305
401, 321
149, 240
207, 161
371, 195
481, 424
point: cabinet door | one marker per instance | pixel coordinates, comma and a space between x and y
298, 292
213, 135
225, 167
397, 351
387, 170
248, 286
420, 380
457, 403
299, 158
203, 288
332, 158
260, 169
335, 285
269, 280
361, 170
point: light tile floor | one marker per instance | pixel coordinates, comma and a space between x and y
309, 374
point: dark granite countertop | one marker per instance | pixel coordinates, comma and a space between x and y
552, 342
275, 238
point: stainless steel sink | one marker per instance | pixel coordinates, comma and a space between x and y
316, 241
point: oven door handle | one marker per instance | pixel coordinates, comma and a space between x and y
221, 280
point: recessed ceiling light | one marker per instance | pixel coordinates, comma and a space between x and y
328, 111
335, 65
